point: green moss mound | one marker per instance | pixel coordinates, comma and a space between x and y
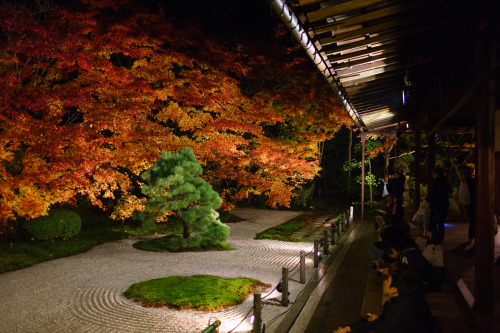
59, 224
285, 230
197, 292
176, 243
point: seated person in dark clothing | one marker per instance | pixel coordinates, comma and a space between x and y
394, 213
382, 221
423, 271
392, 234
406, 311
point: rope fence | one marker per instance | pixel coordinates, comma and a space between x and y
339, 226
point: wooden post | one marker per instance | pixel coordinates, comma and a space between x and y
302, 266
418, 146
284, 284
257, 310
497, 182
334, 233
325, 242
485, 169
349, 159
316, 249
363, 148
431, 141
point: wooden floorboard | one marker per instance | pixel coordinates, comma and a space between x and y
450, 305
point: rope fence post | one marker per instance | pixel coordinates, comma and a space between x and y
325, 242
302, 267
212, 327
334, 232
316, 250
284, 293
257, 309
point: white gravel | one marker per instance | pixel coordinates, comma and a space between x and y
83, 293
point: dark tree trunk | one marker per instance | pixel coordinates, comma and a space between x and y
185, 232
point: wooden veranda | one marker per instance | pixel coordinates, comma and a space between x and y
431, 65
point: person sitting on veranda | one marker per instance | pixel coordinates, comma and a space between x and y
406, 311
381, 221
390, 235
392, 230
423, 271
394, 214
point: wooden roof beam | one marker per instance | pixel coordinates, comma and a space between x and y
385, 37
398, 9
366, 60
397, 22
382, 82
374, 110
380, 102
400, 73
358, 54
374, 100
374, 90
374, 72
343, 8
389, 56
389, 66
366, 67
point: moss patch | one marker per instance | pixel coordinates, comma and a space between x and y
285, 230
175, 243
197, 292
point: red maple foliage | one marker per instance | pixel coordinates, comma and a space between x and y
91, 94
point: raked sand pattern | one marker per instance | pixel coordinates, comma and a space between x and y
83, 293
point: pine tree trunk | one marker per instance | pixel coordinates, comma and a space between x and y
186, 232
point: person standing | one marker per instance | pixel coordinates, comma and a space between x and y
396, 185
438, 198
466, 198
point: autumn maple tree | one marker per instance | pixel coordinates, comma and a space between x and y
92, 91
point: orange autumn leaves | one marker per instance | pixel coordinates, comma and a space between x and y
90, 95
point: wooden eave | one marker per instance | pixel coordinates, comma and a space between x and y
378, 48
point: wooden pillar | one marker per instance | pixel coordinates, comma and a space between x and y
363, 148
431, 142
485, 168
349, 152
497, 182
418, 146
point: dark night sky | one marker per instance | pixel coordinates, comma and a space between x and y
225, 17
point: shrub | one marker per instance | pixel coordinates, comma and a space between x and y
304, 195
60, 223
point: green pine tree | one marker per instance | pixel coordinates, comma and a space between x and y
172, 185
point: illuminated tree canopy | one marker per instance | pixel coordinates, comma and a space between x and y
92, 93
